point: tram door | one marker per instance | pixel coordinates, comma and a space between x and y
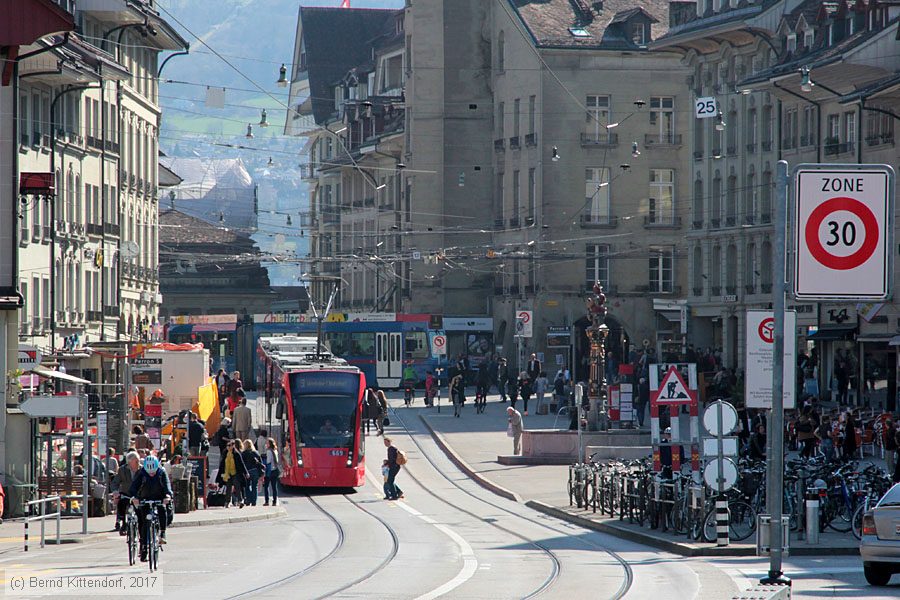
388, 359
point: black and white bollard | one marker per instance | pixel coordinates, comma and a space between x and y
26, 535
721, 521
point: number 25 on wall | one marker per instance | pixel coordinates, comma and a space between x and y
705, 107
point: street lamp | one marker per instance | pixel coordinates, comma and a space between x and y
597, 333
263, 119
249, 134
282, 76
806, 84
720, 122
555, 157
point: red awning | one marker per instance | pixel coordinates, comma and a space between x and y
32, 20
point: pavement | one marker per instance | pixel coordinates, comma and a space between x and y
473, 442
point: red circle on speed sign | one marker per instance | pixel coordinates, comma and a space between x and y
766, 330
826, 258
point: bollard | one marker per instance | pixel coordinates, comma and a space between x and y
26, 534
812, 520
721, 521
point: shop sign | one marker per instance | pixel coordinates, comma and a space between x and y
558, 336
468, 323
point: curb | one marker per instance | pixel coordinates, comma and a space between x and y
466, 468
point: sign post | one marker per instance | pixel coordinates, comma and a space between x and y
720, 419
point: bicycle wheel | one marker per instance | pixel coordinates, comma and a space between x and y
131, 541
571, 489
153, 541
841, 516
741, 520
679, 516
710, 534
857, 521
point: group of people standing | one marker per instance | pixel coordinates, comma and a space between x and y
496, 372
244, 464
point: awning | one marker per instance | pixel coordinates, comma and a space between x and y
875, 338
832, 334
895, 341
213, 327
51, 374
673, 316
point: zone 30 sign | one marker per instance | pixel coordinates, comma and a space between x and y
843, 232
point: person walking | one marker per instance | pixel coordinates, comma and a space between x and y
222, 380
484, 384
262, 437
848, 446
758, 443
540, 388
393, 492
223, 436
273, 472
513, 390
196, 435
534, 367
502, 379
525, 389
514, 428
806, 433
823, 433
382, 410
242, 418
457, 394
232, 474
141, 441
253, 462
430, 388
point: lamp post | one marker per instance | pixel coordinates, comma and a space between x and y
597, 333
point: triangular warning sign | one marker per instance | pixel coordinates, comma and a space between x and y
673, 389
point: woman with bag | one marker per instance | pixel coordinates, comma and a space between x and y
273, 472
253, 462
232, 475
457, 394
382, 411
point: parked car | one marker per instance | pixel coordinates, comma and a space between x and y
880, 545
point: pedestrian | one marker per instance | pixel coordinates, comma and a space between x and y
273, 472
223, 436
141, 441
221, 381
534, 367
848, 446
758, 443
483, 385
196, 434
243, 420
262, 437
382, 411
525, 389
540, 388
502, 379
385, 472
253, 462
823, 433
430, 388
559, 389
121, 484
512, 388
890, 446
896, 477
514, 428
371, 410
806, 435
392, 491
457, 394
232, 475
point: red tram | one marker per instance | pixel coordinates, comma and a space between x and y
318, 403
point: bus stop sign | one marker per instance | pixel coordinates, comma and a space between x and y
843, 232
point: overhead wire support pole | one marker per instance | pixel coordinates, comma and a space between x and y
775, 453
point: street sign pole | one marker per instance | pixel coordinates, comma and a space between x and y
775, 429
87, 458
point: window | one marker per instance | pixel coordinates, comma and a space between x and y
752, 128
597, 265
731, 200
579, 32
731, 270
498, 197
750, 196
750, 269
23, 313
532, 195
596, 194
516, 195
501, 52
597, 118
765, 203
662, 117
532, 100
36, 125
698, 203
792, 42
715, 212
850, 130
715, 271
661, 207
790, 128
809, 37
834, 129
661, 260
501, 115
639, 33
36, 302
416, 344
697, 270
391, 73
808, 133
516, 106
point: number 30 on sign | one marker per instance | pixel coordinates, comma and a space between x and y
843, 232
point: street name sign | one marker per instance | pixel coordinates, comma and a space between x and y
52, 406
760, 358
843, 232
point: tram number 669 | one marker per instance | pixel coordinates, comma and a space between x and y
845, 234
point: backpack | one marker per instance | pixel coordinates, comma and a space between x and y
401, 457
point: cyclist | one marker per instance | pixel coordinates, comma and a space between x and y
151, 483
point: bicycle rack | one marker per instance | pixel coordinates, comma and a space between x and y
44, 516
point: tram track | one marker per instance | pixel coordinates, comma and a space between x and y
629, 574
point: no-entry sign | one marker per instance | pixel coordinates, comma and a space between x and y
843, 232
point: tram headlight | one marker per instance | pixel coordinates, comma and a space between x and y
299, 457
349, 461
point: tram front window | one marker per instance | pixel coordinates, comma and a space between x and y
325, 421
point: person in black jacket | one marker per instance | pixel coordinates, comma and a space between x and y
233, 474
253, 462
151, 483
758, 443
223, 436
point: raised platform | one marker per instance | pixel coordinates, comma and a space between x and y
554, 446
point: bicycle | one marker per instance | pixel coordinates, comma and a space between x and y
153, 532
132, 535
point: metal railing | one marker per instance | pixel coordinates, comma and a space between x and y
44, 516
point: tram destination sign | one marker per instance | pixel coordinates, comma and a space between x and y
843, 232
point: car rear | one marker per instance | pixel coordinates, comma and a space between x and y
880, 544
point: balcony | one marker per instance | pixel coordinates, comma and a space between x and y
94, 229
731, 150
112, 146
45, 230
715, 290
35, 233
662, 139
514, 222
111, 229
766, 288
499, 223
94, 316
834, 148
35, 324
767, 146
111, 311
715, 223
514, 143
329, 217
717, 153
500, 145
589, 221
730, 221
749, 220
750, 289
751, 148
603, 140
730, 290
697, 224
698, 291
531, 139
662, 222
765, 218
698, 154
95, 143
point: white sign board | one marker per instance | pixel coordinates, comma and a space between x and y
524, 323
52, 406
759, 358
711, 418
843, 232
706, 107
29, 357
720, 468
102, 432
711, 447
439, 344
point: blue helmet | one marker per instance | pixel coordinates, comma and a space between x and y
151, 464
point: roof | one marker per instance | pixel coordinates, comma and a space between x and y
179, 229
550, 21
168, 177
336, 40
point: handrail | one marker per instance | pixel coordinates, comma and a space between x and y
43, 517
